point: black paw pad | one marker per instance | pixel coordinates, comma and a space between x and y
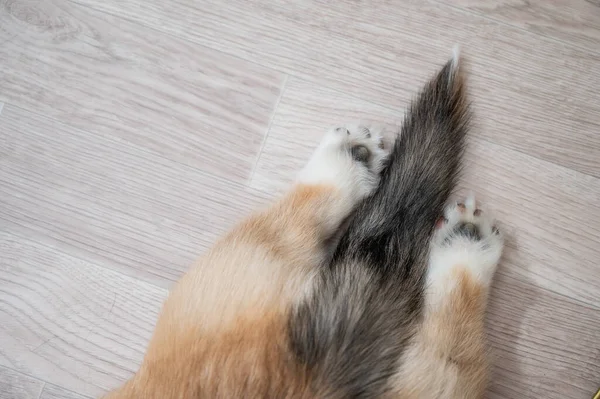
469, 230
360, 153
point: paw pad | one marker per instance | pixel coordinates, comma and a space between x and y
466, 238
464, 219
365, 145
469, 230
360, 153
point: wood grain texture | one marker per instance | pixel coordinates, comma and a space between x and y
14, 385
111, 199
544, 345
53, 392
574, 21
534, 95
70, 321
183, 101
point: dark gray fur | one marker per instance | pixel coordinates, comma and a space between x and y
350, 334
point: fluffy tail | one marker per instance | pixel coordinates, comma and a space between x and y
424, 164
350, 334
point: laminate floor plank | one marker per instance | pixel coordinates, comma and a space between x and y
150, 216
14, 385
572, 21
543, 344
54, 392
68, 321
534, 94
87, 69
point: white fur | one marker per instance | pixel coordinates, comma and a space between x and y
455, 56
332, 162
450, 251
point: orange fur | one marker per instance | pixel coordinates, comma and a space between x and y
249, 360
447, 358
222, 331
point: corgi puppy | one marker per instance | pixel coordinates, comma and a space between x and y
290, 305
223, 331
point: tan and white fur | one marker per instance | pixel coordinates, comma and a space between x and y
280, 308
222, 331
447, 356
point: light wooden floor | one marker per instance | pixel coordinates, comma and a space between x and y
134, 132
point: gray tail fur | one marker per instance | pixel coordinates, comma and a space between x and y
350, 334
422, 173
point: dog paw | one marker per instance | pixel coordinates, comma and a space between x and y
365, 144
467, 237
350, 157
